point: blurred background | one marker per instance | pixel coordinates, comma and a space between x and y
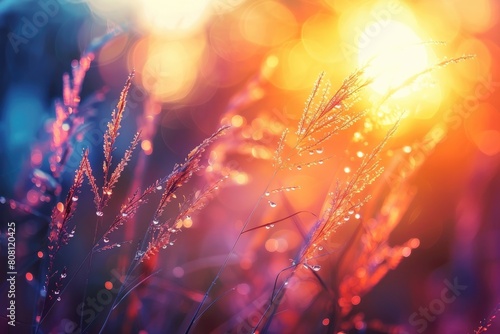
252, 64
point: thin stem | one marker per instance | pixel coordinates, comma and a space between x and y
133, 265
90, 269
231, 251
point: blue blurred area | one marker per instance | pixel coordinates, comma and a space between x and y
38, 39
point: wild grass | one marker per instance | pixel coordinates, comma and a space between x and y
161, 230
360, 264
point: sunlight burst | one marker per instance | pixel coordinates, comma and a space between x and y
394, 54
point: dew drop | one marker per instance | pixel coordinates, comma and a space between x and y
272, 204
316, 267
159, 187
99, 213
311, 152
139, 254
171, 243
299, 167
56, 292
155, 222
319, 150
63, 275
58, 299
320, 162
351, 211
74, 198
346, 218
320, 248
124, 214
164, 247
357, 216
106, 240
267, 193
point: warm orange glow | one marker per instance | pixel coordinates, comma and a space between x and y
330, 203
414, 243
488, 142
60, 207
395, 54
187, 222
407, 149
241, 178
147, 146
237, 121
169, 71
272, 245
268, 23
406, 251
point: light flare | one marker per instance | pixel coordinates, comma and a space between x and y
393, 54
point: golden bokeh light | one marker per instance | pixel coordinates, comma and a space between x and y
268, 23
477, 15
296, 68
170, 70
320, 38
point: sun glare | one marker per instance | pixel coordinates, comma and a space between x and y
393, 54
173, 15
